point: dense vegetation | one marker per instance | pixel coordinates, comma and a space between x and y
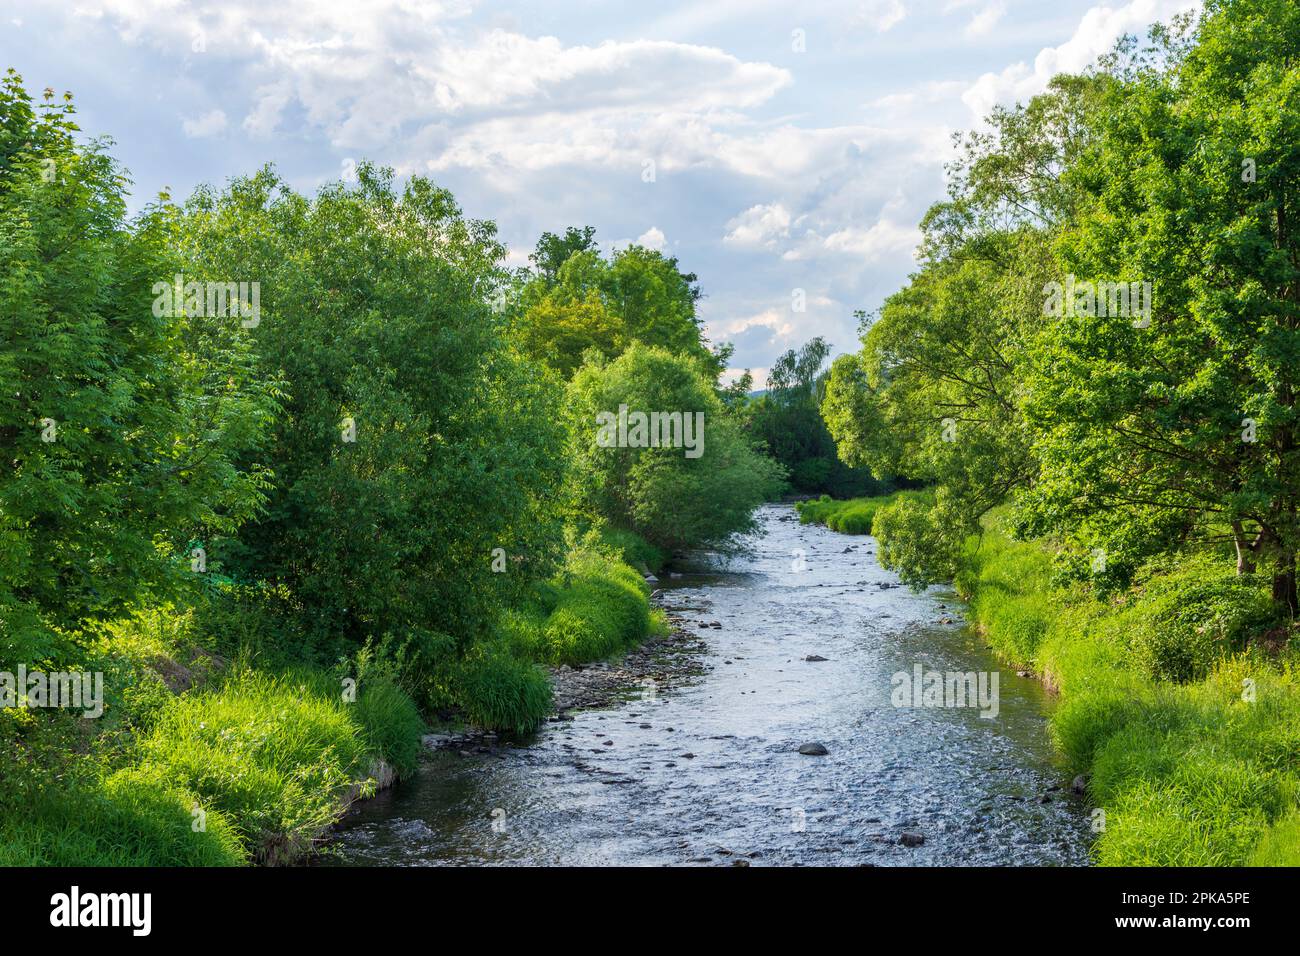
1094, 373
299, 474
786, 417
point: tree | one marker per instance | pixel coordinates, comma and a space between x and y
578, 300
684, 478
553, 251
122, 425
1182, 428
414, 442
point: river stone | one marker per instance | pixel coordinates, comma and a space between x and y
814, 658
813, 750
911, 838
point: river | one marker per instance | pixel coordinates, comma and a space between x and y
726, 784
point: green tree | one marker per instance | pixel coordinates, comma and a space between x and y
414, 442
577, 299
1179, 427
122, 425
694, 493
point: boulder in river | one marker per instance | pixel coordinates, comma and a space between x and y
911, 838
813, 749
814, 658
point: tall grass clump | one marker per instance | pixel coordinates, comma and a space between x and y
851, 515
270, 753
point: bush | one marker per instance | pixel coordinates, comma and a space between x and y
500, 691
634, 549
1182, 623
673, 501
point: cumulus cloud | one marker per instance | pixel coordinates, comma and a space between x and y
209, 124
652, 238
1096, 34
759, 225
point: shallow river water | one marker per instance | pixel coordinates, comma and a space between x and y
971, 786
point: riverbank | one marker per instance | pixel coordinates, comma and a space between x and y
1179, 707
214, 752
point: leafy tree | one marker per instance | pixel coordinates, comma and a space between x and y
122, 426
579, 300
674, 495
1184, 429
414, 441
788, 421
553, 251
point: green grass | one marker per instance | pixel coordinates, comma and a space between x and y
133, 819
1152, 708
596, 607
851, 515
268, 760
277, 756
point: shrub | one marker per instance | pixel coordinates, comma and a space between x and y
500, 691
1184, 622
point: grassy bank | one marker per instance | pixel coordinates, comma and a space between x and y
1179, 699
224, 743
849, 515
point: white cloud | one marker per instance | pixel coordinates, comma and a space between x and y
880, 15
984, 20
652, 238
1096, 34
209, 124
884, 238
759, 225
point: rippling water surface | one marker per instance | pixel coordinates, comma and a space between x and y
973, 787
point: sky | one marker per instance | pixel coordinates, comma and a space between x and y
782, 151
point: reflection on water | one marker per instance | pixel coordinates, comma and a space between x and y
711, 773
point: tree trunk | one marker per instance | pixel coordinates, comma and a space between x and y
1245, 552
1284, 589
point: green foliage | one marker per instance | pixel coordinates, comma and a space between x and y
276, 756
579, 302
789, 423
1188, 774
1140, 430
123, 430
391, 721
851, 516
634, 549
673, 501
499, 690
1182, 623
602, 609
135, 819
373, 311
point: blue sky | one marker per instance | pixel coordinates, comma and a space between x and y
795, 145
